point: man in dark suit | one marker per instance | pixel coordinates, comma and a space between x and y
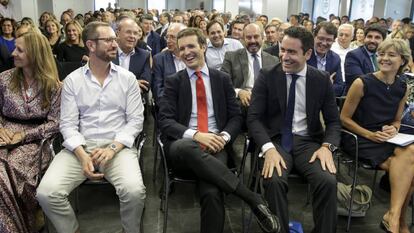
363, 60
152, 38
165, 19
284, 120
274, 50
323, 58
131, 58
243, 65
167, 62
199, 120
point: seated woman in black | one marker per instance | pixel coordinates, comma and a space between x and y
72, 49
373, 110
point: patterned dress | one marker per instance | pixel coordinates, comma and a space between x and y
20, 166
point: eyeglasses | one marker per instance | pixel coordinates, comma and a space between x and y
326, 40
107, 40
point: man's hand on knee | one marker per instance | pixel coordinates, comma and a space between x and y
273, 160
325, 156
100, 156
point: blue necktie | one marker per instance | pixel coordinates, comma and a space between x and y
256, 66
287, 135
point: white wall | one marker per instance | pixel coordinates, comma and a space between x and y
232, 6
79, 6
397, 9
131, 4
275, 8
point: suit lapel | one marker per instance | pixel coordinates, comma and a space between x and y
281, 88
170, 62
311, 88
116, 61
266, 60
244, 63
214, 87
186, 96
133, 62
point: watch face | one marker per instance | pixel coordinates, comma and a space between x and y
112, 146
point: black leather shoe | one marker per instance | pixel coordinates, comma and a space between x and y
268, 222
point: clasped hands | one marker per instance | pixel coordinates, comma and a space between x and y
8, 137
95, 160
274, 160
213, 143
387, 132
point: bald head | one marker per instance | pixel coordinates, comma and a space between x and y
253, 37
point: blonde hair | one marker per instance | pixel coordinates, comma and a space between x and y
56, 23
401, 47
43, 64
78, 28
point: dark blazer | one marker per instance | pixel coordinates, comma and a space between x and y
163, 66
176, 104
273, 50
333, 64
268, 106
357, 63
139, 64
154, 42
236, 64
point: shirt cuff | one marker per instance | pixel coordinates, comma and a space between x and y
266, 147
73, 142
227, 135
125, 139
237, 90
189, 133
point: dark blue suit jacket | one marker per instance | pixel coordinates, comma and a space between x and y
163, 66
154, 41
357, 63
333, 64
139, 64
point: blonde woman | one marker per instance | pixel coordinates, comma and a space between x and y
72, 49
373, 110
30, 109
53, 33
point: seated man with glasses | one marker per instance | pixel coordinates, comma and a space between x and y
323, 58
101, 115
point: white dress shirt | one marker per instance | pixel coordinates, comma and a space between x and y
125, 58
178, 63
341, 51
299, 121
212, 125
250, 80
90, 111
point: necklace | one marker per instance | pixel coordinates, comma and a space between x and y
29, 90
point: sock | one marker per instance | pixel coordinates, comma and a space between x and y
251, 198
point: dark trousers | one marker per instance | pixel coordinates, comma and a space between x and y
214, 177
323, 186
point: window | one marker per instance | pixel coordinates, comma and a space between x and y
158, 4
324, 8
104, 4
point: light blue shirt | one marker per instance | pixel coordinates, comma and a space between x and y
89, 111
215, 56
320, 61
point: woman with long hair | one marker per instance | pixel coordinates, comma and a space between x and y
359, 37
72, 49
53, 33
30, 109
373, 110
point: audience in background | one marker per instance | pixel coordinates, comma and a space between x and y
7, 37
72, 49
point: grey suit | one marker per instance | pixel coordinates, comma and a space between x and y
236, 64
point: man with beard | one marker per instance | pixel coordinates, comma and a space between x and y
101, 115
323, 58
5, 10
284, 120
243, 65
199, 121
363, 60
217, 45
129, 56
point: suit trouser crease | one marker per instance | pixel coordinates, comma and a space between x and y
65, 174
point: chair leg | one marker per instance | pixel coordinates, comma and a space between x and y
167, 187
351, 201
374, 182
154, 168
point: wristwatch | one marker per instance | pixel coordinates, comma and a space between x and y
113, 147
331, 147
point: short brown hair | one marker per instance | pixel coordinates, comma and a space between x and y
91, 30
212, 22
193, 32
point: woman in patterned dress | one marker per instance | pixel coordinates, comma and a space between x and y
29, 112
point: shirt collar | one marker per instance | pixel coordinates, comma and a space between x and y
121, 53
204, 70
319, 57
301, 73
87, 70
259, 53
210, 45
369, 53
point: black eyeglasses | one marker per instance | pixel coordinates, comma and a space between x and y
108, 39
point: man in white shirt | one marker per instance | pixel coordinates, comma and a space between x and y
101, 115
217, 45
5, 9
342, 45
